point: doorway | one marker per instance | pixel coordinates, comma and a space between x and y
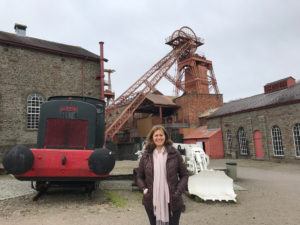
258, 145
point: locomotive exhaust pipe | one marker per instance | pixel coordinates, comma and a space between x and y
18, 160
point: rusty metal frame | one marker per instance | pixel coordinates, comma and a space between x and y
184, 43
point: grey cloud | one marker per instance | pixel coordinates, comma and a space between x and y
250, 42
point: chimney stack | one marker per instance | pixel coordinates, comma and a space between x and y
280, 84
20, 29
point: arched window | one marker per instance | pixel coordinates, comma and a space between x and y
296, 131
242, 141
277, 141
229, 140
34, 102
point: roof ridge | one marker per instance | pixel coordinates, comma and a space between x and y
46, 45
288, 95
39, 39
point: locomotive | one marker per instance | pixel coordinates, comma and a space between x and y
69, 148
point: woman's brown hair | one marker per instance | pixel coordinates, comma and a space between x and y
150, 146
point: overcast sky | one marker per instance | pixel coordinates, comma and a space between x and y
250, 42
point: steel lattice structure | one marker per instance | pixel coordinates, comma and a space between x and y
184, 43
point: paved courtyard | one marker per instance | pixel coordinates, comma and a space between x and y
268, 193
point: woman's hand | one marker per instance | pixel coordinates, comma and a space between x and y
145, 191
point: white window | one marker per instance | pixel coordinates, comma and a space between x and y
34, 102
277, 141
296, 131
242, 141
229, 140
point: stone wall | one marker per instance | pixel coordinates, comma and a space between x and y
285, 117
24, 72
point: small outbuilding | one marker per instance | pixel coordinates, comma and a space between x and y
211, 140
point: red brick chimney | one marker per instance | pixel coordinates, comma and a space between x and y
279, 84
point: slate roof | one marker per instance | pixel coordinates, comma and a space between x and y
286, 96
47, 46
158, 99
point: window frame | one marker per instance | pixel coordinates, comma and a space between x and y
297, 146
242, 141
33, 106
278, 143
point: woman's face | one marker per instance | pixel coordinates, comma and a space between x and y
159, 138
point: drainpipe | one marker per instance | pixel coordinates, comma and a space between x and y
267, 138
160, 114
101, 71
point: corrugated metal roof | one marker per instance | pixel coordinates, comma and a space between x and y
201, 132
158, 99
48, 46
285, 96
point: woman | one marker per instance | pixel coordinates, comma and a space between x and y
162, 175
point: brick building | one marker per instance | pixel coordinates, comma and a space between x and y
264, 126
31, 70
201, 91
192, 105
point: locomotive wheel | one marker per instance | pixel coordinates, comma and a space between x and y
101, 161
41, 186
18, 160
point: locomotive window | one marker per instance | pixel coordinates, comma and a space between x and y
34, 102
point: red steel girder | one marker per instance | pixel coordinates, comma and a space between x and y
136, 98
176, 82
130, 93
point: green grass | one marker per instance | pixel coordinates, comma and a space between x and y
115, 198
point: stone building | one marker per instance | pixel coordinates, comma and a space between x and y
31, 70
264, 126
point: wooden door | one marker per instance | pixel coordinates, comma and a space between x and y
258, 145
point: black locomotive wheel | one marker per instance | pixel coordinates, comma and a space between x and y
41, 186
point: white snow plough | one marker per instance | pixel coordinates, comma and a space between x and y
207, 184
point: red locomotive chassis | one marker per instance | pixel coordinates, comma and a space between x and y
58, 164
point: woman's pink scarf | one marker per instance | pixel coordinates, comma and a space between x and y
161, 196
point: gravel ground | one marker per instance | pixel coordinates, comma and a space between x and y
269, 194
